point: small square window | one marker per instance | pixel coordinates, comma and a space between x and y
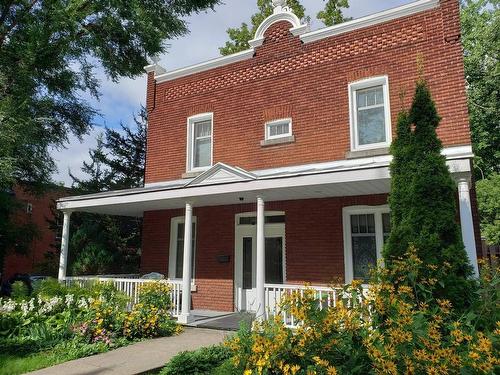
278, 129
370, 113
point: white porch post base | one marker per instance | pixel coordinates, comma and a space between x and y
261, 262
63, 259
466, 224
185, 316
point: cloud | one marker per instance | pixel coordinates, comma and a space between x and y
72, 157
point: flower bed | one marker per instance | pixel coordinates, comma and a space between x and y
70, 322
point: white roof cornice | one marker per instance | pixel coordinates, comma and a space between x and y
297, 29
370, 20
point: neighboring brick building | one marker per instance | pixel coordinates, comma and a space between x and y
278, 155
37, 210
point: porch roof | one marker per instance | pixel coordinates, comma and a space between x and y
223, 184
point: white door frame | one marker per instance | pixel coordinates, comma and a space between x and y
249, 230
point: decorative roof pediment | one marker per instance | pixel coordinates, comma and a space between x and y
221, 173
281, 13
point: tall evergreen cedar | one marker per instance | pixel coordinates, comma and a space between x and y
423, 203
103, 244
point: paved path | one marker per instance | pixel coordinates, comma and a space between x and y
138, 358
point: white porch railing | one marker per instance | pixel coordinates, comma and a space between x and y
275, 293
129, 285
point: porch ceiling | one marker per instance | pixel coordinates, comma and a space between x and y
308, 183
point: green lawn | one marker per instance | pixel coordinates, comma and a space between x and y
19, 362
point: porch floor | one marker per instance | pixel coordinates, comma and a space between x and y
227, 321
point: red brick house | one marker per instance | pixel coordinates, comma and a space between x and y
270, 167
37, 210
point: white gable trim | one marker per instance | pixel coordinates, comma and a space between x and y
370, 20
282, 15
222, 173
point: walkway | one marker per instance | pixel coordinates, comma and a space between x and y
140, 357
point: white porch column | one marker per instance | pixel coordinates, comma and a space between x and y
466, 223
63, 260
186, 316
261, 261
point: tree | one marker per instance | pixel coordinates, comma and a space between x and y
422, 201
480, 21
333, 13
239, 37
103, 243
488, 199
49, 51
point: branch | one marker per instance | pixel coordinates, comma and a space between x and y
16, 21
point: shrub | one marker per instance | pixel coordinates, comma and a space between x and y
199, 362
156, 293
423, 203
148, 321
392, 330
19, 290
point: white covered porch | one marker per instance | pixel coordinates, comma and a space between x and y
225, 185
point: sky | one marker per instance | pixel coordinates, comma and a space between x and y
207, 32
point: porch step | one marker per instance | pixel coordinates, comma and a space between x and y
228, 322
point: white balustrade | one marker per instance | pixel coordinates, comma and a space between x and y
130, 286
275, 294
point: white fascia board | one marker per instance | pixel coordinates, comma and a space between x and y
363, 169
207, 65
370, 20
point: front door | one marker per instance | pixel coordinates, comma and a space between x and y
246, 256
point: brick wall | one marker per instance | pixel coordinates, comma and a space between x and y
46, 239
314, 244
309, 83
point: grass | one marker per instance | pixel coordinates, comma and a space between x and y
19, 362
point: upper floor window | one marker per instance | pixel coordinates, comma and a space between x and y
278, 129
370, 113
200, 142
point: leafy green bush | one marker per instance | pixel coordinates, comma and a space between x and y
19, 290
199, 362
391, 330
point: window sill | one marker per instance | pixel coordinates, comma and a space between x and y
277, 141
367, 153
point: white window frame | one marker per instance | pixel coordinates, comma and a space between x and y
191, 121
277, 122
172, 257
379, 233
353, 118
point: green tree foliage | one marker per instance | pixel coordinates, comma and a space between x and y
333, 12
48, 54
488, 198
239, 37
481, 41
103, 243
422, 201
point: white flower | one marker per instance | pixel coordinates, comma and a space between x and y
8, 306
69, 299
82, 303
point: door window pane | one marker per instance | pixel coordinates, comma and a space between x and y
386, 225
202, 144
274, 260
247, 263
364, 244
180, 251
370, 115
